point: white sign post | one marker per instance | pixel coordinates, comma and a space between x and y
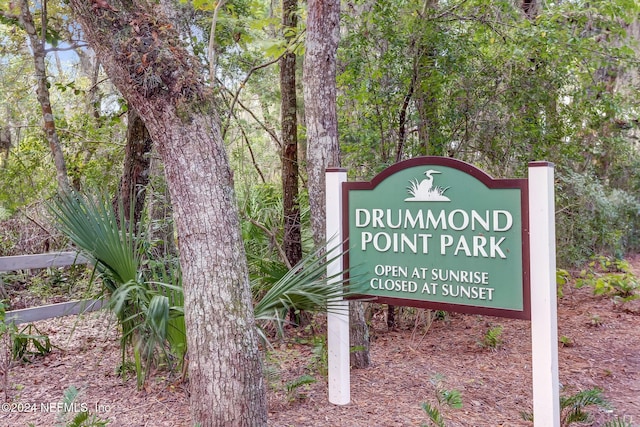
544, 312
338, 314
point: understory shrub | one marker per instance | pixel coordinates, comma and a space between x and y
145, 296
610, 277
145, 293
594, 219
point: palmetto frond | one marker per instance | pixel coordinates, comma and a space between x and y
149, 312
92, 225
149, 303
305, 287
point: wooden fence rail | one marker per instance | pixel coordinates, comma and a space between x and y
52, 259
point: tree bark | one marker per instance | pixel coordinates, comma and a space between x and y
358, 336
42, 93
531, 8
427, 106
136, 171
292, 232
323, 149
402, 118
319, 73
143, 55
160, 211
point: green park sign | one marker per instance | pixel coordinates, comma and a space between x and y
438, 233
435, 232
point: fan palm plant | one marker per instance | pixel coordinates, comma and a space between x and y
146, 294
148, 310
303, 288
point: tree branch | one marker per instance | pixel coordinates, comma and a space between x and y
252, 114
246, 79
253, 157
43, 21
10, 17
63, 49
274, 241
211, 50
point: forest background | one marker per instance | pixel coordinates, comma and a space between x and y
491, 84
497, 84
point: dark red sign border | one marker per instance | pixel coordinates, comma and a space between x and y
521, 184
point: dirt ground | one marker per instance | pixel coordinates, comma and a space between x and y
600, 347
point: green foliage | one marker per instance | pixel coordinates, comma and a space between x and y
150, 312
47, 283
435, 417
29, 342
146, 295
262, 231
261, 210
445, 399
610, 277
320, 360
26, 174
492, 338
295, 388
7, 332
90, 137
18, 345
595, 320
4, 326
76, 414
303, 288
562, 278
594, 219
487, 85
619, 422
573, 407
24, 343
565, 341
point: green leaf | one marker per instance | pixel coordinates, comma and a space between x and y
305, 288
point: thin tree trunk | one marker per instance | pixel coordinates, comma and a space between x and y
292, 229
323, 149
391, 316
292, 235
160, 211
163, 81
427, 105
136, 171
358, 336
402, 119
211, 50
42, 92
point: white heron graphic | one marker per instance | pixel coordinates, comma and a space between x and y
425, 191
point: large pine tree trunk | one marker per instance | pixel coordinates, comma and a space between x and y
143, 55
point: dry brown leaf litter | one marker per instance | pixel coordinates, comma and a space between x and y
495, 384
